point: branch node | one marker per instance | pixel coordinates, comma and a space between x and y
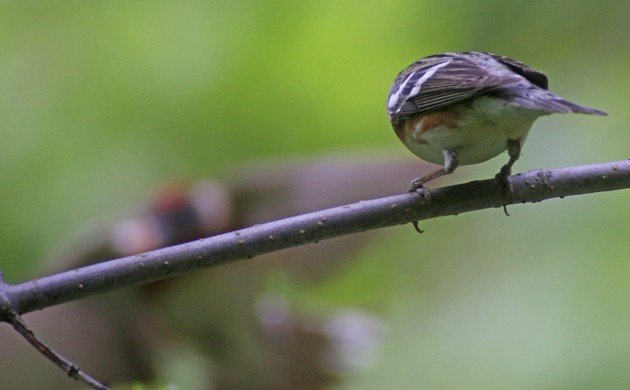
11, 315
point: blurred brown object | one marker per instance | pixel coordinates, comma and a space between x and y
218, 310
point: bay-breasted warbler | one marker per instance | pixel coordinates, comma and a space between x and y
464, 108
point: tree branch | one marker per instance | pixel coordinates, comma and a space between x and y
533, 186
72, 370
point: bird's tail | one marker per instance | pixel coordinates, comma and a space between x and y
539, 99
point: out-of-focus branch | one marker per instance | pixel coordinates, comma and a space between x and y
533, 186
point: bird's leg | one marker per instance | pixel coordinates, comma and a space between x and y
417, 185
514, 151
450, 163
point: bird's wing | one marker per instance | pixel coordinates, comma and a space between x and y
534, 76
438, 81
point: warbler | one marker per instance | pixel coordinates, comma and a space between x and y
465, 108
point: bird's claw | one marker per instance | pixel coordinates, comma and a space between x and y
417, 187
502, 177
415, 184
417, 226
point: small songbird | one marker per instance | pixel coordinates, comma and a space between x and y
464, 108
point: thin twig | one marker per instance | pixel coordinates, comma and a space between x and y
532, 186
72, 370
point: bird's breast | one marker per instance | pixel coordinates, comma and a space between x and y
477, 131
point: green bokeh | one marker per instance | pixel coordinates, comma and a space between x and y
99, 101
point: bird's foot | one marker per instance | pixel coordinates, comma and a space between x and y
417, 187
503, 178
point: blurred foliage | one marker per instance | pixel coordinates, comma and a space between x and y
99, 101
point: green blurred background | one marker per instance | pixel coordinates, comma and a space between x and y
99, 101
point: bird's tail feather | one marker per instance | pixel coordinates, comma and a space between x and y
551, 103
576, 108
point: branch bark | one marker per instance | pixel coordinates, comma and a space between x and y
533, 186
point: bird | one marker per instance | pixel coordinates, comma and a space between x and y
462, 108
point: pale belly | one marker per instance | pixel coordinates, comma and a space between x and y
483, 133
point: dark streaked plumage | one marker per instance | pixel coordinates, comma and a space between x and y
454, 77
